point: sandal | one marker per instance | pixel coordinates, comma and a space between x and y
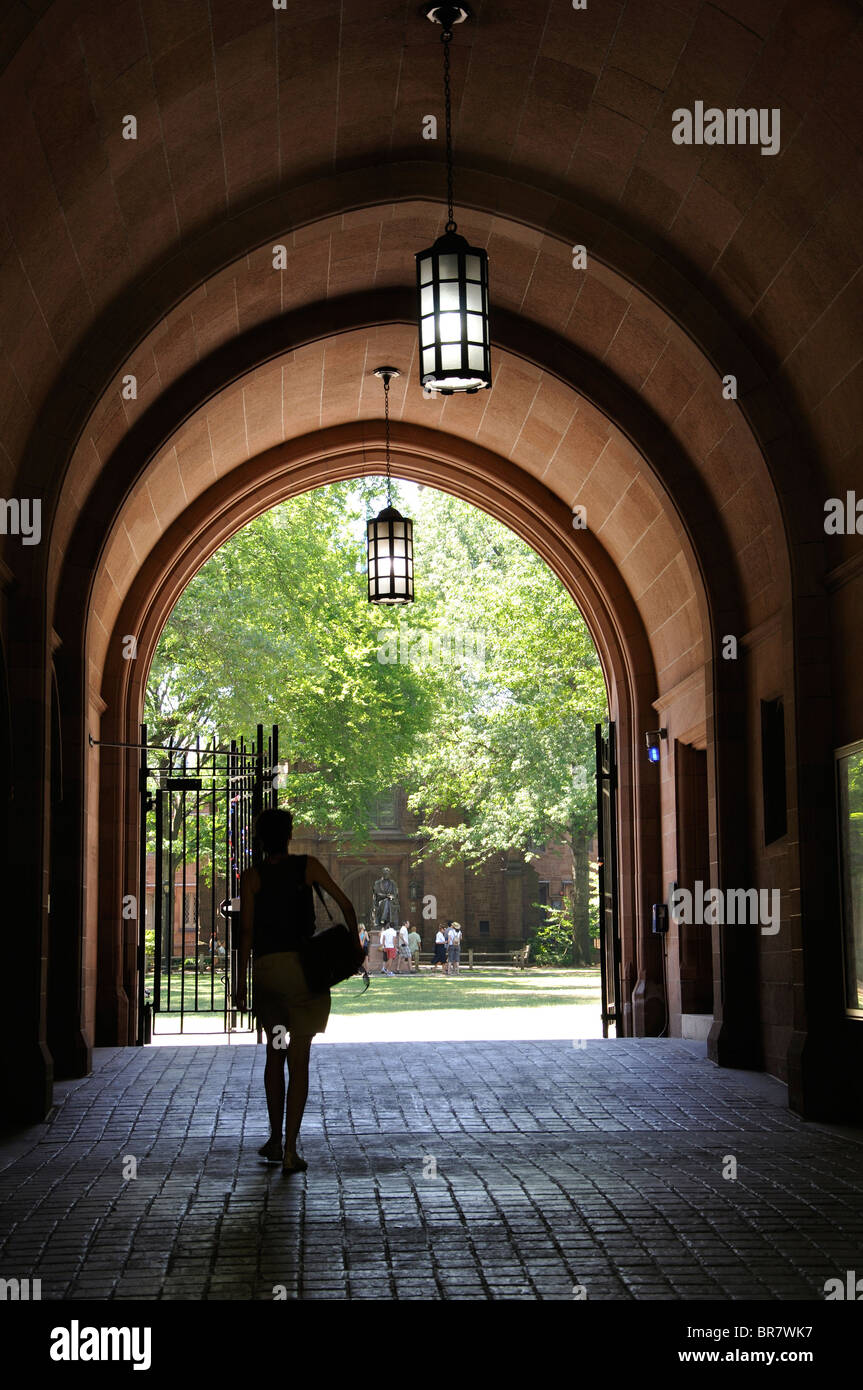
294, 1165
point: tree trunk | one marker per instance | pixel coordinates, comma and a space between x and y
582, 952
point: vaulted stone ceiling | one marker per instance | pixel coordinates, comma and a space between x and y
254, 127
236, 101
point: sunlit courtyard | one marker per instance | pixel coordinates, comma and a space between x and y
485, 1003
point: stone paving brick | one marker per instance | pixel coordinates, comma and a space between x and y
555, 1167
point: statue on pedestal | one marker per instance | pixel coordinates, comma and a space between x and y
385, 902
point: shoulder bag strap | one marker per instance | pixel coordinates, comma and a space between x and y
324, 901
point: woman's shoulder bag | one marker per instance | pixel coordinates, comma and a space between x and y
330, 956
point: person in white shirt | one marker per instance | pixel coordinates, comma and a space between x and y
389, 936
439, 957
404, 949
453, 948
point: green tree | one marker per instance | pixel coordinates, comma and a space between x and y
513, 750
276, 627
482, 696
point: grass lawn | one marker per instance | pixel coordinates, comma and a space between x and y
205, 1004
484, 987
489, 1002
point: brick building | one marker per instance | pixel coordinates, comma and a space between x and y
496, 905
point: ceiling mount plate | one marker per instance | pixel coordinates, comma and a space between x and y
447, 15
386, 374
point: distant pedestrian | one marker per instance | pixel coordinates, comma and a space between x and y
439, 957
453, 948
404, 950
389, 937
415, 942
217, 950
365, 942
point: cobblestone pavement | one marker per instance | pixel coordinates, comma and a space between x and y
453, 1170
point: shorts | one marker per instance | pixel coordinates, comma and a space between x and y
390, 952
439, 957
282, 996
453, 954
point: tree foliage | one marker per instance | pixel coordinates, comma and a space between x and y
481, 697
276, 627
513, 747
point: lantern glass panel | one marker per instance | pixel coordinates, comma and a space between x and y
425, 270
459, 285
427, 300
428, 330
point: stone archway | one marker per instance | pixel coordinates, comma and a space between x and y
628, 635
702, 262
656, 478
731, 558
487, 481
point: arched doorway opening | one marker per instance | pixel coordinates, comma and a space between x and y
547, 526
663, 575
277, 621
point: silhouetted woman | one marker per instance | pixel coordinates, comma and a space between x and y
277, 915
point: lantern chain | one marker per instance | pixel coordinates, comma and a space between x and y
387, 422
446, 40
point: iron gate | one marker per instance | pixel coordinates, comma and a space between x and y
609, 925
198, 804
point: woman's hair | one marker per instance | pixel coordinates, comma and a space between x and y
273, 830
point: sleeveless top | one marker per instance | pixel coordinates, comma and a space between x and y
284, 907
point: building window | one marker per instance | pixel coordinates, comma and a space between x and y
849, 773
543, 891
484, 928
773, 769
386, 811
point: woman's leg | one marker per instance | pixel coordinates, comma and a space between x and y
274, 1087
299, 1049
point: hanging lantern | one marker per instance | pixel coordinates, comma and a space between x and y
390, 536
452, 277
